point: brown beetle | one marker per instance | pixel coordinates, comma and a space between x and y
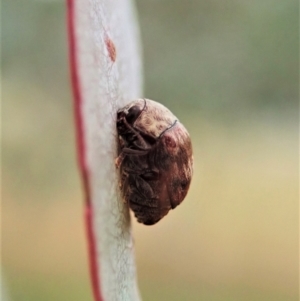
155, 159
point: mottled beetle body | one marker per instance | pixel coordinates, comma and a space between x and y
155, 159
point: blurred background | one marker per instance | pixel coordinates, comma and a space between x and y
230, 71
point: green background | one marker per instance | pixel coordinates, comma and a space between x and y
230, 71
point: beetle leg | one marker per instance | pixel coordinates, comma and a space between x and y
119, 159
128, 151
138, 152
150, 175
144, 188
144, 144
124, 188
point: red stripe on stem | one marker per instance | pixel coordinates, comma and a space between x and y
81, 149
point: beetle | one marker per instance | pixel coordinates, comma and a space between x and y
155, 159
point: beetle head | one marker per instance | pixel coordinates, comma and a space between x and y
132, 111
